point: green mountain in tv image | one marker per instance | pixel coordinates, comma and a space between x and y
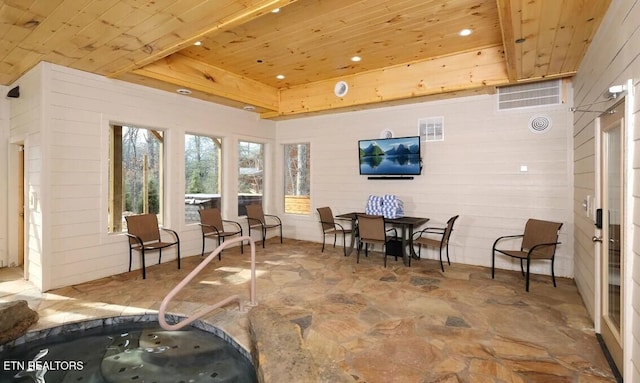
399, 150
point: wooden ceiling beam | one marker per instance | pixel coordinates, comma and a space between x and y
195, 75
461, 72
509, 26
253, 10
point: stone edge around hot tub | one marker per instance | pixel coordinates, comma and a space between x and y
68, 328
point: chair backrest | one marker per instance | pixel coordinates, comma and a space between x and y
211, 217
449, 229
144, 226
326, 218
371, 227
255, 212
536, 232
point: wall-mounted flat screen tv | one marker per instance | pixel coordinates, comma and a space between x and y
390, 156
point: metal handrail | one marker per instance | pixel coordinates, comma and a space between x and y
200, 313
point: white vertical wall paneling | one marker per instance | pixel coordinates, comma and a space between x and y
79, 107
475, 172
4, 171
612, 59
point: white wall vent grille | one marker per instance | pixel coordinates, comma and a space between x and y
529, 95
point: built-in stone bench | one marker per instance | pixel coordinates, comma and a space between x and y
279, 355
15, 319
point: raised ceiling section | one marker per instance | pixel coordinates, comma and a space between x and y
410, 50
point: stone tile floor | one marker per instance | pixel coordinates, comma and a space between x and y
397, 324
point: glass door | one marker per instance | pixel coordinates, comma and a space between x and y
612, 198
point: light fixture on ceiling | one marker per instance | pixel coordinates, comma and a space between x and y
197, 43
356, 59
184, 91
276, 10
249, 108
465, 32
280, 77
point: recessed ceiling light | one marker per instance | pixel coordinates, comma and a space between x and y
249, 108
183, 91
197, 43
280, 77
276, 10
465, 32
355, 59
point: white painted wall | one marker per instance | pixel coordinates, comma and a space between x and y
612, 58
474, 172
64, 119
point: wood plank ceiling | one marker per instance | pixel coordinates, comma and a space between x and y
410, 50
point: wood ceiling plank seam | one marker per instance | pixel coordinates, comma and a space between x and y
531, 12
354, 26
547, 31
587, 25
128, 43
563, 39
261, 8
253, 67
12, 31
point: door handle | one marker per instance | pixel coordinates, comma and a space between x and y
596, 239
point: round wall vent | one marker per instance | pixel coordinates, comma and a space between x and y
539, 124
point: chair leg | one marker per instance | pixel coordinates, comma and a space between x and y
202, 255
160, 256
528, 263
130, 258
448, 260
220, 241
264, 236
323, 241
493, 263
144, 272
178, 244
553, 275
441, 264
335, 237
280, 233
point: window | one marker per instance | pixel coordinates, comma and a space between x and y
202, 173
250, 174
296, 180
135, 174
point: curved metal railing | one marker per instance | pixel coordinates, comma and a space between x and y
206, 310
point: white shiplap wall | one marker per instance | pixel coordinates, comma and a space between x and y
68, 167
4, 171
613, 58
474, 172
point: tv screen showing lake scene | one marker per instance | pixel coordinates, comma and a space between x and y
390, 156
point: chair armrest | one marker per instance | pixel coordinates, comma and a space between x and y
133, 236
429, 230
234, 223
258, 222
210, 227
542, 245
173, 232
274, 217
506, 237
395, 232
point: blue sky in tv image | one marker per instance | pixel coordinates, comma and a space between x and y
390, 156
